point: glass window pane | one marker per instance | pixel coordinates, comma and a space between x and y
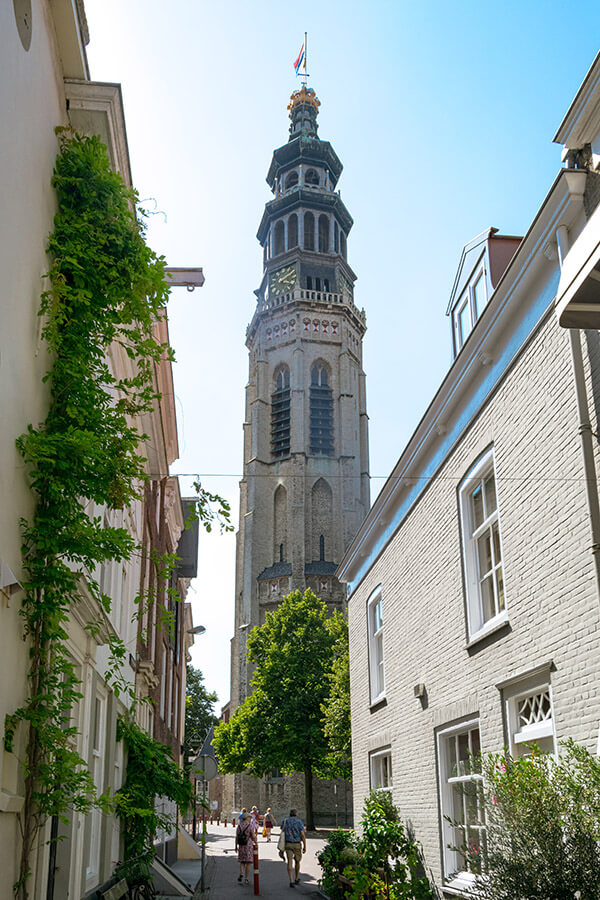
457, 814
489, 484
500, 586
488, 606
477, 507
463, 753
484, 553
475, 742
497, 552
479, 294
451, 757
471, 802
464, 324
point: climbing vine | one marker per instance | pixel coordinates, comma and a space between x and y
106, 290
151, 773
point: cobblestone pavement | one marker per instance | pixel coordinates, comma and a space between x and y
223, 868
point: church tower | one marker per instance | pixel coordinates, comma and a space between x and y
305, 486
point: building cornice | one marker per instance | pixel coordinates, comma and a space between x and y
96, 107
312, 198
522, 298
304, 150
582, 120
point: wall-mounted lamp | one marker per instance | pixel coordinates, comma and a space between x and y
198, 629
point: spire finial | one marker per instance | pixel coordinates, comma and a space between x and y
304, 108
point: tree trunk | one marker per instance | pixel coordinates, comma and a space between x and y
308, 793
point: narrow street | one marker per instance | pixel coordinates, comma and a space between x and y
223, 868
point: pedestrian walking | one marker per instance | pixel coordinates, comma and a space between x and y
245, 839
241, 815
255, 816
269, 821
295, 845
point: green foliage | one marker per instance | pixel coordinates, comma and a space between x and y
334, 858
382, 863
151, 773
280, 725
543, 826
106, 291
199, 711
336, 717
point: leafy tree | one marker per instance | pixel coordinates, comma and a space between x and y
336, 717
542, 827
199, 711
280, 725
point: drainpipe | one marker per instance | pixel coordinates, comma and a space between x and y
585, 427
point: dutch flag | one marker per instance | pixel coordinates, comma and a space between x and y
301, 61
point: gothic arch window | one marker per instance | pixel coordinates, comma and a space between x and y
279, 238
280, 414
280, 518
292, 231
343, 247
291, 181
321, 518
312, 177
336, 237
309, 231
321, 412
323, 234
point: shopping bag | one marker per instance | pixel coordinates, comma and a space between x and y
264, 832
281, 841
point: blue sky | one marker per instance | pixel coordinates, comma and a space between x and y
443, 115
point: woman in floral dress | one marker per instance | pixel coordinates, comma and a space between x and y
245, 839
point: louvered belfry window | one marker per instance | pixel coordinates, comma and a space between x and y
280, 415
321, 413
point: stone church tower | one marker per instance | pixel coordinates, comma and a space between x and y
305, 487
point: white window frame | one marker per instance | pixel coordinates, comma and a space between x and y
453, 876
376, 647
98, 725
468, 298
520, 736
470, 534
377, 769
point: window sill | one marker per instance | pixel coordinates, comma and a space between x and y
461, 885
379, 703
491, 627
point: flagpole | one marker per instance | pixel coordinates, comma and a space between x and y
305, 56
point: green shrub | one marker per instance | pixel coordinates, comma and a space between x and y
382, 863
543, 827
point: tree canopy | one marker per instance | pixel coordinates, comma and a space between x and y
280, 725
199, 711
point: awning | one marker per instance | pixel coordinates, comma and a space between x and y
578, 296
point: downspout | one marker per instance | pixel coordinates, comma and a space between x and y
585, 427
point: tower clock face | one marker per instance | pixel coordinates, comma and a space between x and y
282, 281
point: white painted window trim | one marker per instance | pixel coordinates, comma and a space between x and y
375, 759
468, 297
97, 754
476, 627
460, 880
512, 694
373, 638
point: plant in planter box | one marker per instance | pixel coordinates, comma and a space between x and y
338, 853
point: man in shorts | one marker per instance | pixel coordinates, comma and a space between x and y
295, 845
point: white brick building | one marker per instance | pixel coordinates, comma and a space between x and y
474, 606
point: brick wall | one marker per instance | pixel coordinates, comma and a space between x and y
551, 591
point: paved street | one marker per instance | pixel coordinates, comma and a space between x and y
223, 868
